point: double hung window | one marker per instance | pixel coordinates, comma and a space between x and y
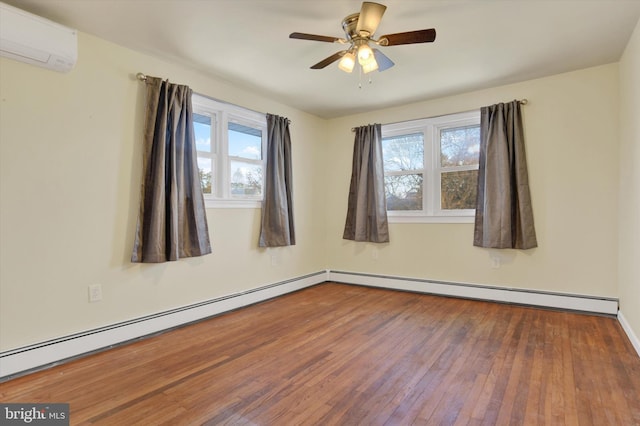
431, 168
231, 142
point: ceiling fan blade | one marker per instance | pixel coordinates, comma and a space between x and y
331, 59
384, 63
314, 37
410, 37
370, 16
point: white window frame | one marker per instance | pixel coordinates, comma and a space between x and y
432, 172
221, 115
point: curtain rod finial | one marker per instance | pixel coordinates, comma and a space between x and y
141, 77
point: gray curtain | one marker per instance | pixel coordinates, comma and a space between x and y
277, 228
504, 217
172, 221
367, 208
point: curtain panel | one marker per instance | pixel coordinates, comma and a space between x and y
504, 216
172, 221
276, 226
367, 206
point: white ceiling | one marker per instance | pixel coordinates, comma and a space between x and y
479, 44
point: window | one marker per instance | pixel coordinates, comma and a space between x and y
231, 142
431, 168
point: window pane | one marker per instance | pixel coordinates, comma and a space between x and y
206, 177
246, 179
245, 142
460, 146
202, 128
404, 192
458, 190
404, 152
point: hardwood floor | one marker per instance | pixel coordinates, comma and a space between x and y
345, 355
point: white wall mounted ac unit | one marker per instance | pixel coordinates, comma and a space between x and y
35, 40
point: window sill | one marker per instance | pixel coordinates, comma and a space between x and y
210, 203
430, 219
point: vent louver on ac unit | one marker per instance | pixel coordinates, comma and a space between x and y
35, 40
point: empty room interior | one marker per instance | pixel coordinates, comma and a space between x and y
416, 212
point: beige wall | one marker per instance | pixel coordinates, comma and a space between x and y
571, 129
70, 164
629, 275
70, 169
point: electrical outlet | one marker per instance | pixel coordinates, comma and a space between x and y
95, 293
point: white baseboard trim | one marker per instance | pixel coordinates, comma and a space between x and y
635, 341
52, 352
18, 361
600, 305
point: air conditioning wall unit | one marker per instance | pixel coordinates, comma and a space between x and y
35, 40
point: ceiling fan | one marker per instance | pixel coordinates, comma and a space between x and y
359, 29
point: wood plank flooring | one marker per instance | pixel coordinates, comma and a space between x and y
345, 355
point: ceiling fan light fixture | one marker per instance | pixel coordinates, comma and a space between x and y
347, 62
359, 29
369, 19
366, 58
365, 54
369, 66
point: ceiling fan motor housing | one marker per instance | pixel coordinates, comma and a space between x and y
349, 25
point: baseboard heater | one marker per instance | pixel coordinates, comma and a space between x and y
53, 352
572, 302
56, 351
563, 301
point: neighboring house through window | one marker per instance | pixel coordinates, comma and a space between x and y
431, 168
231, 144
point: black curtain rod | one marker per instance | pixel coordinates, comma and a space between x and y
142, 77
520, 101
